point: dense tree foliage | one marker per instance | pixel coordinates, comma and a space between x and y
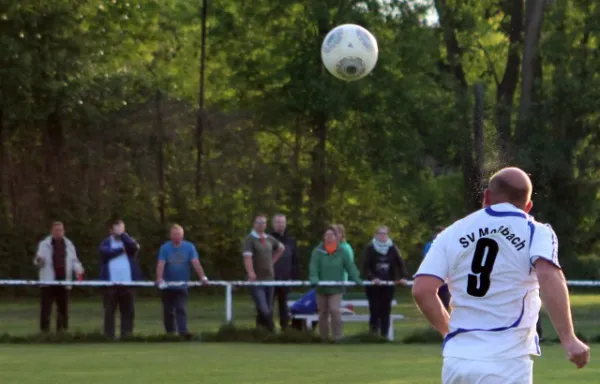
102, 113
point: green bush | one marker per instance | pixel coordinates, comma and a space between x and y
234, 334
423, 336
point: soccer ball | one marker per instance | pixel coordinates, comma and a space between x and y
349, 52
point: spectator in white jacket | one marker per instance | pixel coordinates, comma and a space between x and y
56, 260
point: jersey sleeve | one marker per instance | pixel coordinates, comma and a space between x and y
247, 247
544, 244
435, 262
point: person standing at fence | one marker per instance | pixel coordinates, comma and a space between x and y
341, 237
261, 251
382, 262
174, 260
328, 262
444, 292
56, 260
286, 267
118, 253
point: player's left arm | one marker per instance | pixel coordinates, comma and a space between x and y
429, 278
554, 293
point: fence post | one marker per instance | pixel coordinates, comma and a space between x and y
228, 303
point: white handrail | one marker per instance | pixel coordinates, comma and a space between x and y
228, 285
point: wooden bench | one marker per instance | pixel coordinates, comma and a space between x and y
354, 303
348, 315
351, 317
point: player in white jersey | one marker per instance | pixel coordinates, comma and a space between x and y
497, 262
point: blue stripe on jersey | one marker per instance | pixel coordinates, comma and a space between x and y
532, 228
491, 212
537, 344
451, 335
429, 274
554, 245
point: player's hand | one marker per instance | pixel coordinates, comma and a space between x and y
376, 281
39, 261
252, 276
577, 352
402, 282
204, 280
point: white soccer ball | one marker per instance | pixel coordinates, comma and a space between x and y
349, 52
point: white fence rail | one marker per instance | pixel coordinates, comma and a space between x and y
228, 285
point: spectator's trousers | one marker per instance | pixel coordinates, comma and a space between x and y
49, 295
281, 295
124, 298
263, 300
380, 308
174, 310
538, 327
444, 295
329, 313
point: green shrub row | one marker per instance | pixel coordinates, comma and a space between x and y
234, 334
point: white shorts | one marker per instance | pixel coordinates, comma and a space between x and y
511, 371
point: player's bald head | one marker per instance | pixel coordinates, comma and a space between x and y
510, 185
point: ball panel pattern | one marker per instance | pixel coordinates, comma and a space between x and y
333, 40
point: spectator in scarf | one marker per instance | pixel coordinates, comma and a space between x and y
382, 262
328, 262
341, 236
56, 260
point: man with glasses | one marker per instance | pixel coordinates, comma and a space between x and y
261, 251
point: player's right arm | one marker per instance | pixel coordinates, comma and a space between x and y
554, 293
429, 278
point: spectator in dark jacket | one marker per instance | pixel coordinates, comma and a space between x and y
382, 262
286, 267
118, 264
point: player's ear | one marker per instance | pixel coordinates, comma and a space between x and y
528, 206
486, 198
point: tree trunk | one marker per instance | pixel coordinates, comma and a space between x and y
160, 157
54, 146
200, 123
505, 91
3, 196
454, 57
478, 135
297, 194
453, 50
319, 180
533, 24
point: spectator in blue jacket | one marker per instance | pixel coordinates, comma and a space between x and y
118, 264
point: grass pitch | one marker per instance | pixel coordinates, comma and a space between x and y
244, 363
216, 363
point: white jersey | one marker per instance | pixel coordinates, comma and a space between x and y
487, 260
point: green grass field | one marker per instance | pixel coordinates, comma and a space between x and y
246, 363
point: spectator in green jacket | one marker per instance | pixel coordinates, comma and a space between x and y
341, 236
328, 262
